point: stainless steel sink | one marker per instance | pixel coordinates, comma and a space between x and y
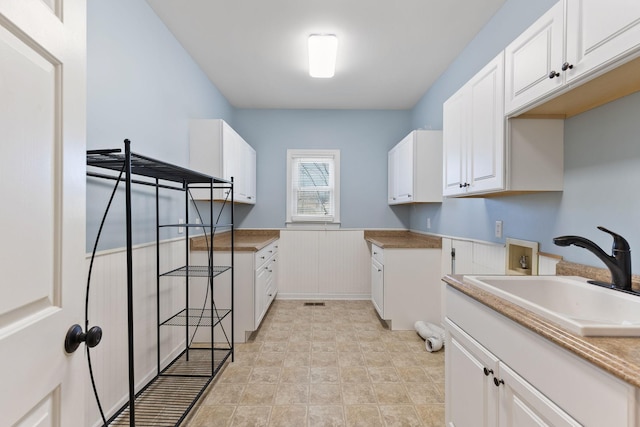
569, 301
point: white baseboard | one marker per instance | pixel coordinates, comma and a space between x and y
303, 296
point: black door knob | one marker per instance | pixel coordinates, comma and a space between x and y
75, 337
497, 382
553, 74
487, 372
566, 66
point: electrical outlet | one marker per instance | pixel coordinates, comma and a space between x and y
180, 229
428, 223
499, 229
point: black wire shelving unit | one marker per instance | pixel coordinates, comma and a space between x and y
168, 397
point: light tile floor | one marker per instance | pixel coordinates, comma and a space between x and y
335, 365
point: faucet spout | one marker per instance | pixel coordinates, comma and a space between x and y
619, 263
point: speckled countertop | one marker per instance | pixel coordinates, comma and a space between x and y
402, 239
620, 356
244, 240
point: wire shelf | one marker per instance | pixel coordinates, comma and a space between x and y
197, 271
167, 400
146, 166
196, 317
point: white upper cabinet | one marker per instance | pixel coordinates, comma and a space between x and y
473, 134
533, 61
483, 153
574, 42
415, 168
217, 150
600, 32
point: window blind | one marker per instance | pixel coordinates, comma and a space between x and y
313, 188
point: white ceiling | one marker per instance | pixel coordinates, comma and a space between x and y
389, 51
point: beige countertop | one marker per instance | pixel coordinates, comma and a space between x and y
620, 356
244, 240
402, 239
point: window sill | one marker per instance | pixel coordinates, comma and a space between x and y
310, 225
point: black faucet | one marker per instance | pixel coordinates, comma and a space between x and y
619, 263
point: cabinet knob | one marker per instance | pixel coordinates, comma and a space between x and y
553, 74
566, 66
488, 372
497, 382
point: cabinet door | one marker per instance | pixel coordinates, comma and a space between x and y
521, 405
471, 396
377, 286
404, 171
454, 137
261, 284
250, 173
401, 171
392, 179
599, 32
486, 160
531, 57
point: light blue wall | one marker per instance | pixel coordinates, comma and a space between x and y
507, 24
141, 85
602, 163
363, 137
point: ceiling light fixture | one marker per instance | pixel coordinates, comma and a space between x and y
323, 49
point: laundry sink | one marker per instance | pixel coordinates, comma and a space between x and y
569, 301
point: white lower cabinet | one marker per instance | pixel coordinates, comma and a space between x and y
266, 273
377, 286
405, 285
470, 394
498, 373
483, 391
255, 286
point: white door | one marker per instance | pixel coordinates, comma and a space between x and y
598, 32
454, 137
377, 287
521, 405
470, 393
42, 219
404, 171
486, 158
530, 59
392, 166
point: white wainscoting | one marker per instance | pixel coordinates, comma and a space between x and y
472, 257
547, 264
324, 264
108, 309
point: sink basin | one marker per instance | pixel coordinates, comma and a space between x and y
571, 302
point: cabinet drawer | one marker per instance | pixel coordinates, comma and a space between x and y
377, 253
265, 253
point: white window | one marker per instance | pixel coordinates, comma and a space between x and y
313, 186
